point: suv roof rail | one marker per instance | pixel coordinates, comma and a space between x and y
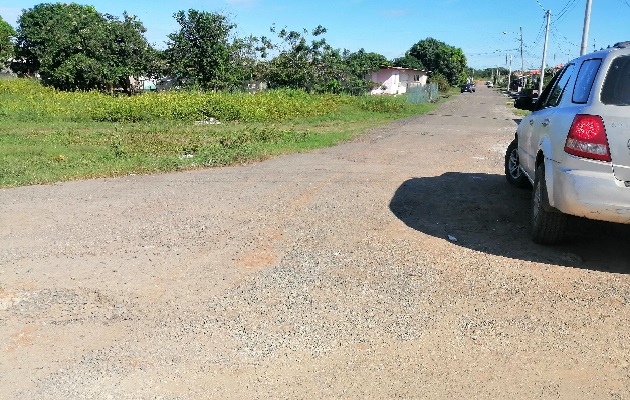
622, 45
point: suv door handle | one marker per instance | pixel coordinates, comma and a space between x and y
546, 122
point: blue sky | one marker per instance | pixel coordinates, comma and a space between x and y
391, 28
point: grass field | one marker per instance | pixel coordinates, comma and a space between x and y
48, 136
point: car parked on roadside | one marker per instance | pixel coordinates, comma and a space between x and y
489, 84
574, 147
468, 87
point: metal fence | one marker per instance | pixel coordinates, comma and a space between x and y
422, 94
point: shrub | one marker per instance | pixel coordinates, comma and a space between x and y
443, 85
27, 100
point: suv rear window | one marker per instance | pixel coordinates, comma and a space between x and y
616, 89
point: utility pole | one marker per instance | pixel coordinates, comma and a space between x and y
522, 59
587, 23
544, 59
509, 73
522, 62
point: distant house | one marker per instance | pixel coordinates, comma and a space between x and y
141, 84
396, 80
532, 76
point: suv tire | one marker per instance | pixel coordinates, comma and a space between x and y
548, 226
513, 172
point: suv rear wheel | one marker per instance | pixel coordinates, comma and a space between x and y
548, 226
513, 172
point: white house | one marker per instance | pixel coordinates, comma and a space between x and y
396, 80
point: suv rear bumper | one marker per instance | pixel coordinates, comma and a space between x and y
589, 194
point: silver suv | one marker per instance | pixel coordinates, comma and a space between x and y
574, 148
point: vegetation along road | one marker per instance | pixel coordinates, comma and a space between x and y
329, 274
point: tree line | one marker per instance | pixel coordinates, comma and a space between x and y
74, 47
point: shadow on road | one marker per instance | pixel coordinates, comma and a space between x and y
483, 212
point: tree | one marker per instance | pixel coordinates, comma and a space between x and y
408, 61
201, 52
358, 66
74, 47
7, 33
361, 63
244, 60
439, 57
305, 61
442, 82
58, 41
130, 53
484, 74
299, 63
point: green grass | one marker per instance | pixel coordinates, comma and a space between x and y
518, 112
48, 136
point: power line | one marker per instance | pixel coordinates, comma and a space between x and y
563, 10
566, 40
567, 8
563, 45
498, 51
540, 33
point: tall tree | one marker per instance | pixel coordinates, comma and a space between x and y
358, 66
437, 56
59, 42
299, 63
7, 33
408, 61
74, 47
305, 61
201, 52
361, 63
244, 60
130, 53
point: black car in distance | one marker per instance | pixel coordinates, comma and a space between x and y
468, 87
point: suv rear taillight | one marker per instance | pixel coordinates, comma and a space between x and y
587, 138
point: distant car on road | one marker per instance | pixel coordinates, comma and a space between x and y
468, 87
574, 148
489, 84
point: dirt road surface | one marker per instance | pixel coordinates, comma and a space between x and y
327, 275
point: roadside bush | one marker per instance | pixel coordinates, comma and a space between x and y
27, 100
443, 85
266, 106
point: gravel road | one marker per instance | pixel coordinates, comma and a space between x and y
333, 274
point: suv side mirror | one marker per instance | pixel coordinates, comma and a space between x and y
525, 103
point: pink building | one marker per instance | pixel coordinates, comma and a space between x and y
396, 80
